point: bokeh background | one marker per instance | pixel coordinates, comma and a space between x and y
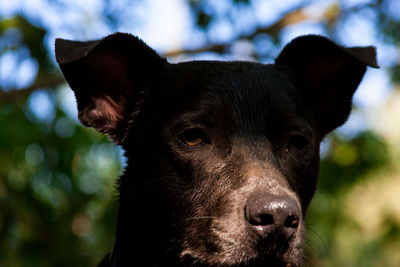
57, 199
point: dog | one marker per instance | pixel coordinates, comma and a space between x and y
222, 157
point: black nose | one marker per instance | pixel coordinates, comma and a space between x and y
271, 216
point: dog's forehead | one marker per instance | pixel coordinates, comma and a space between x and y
251, 91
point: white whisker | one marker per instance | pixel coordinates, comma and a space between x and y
200, 218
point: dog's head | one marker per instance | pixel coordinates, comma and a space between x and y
223, 157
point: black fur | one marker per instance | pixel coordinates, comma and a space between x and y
215, 150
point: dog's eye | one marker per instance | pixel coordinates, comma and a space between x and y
298, 142
193, 137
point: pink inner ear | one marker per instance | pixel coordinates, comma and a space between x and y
107, 111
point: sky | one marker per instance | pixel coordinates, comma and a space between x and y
167, 25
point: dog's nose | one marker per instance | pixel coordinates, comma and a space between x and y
272, 216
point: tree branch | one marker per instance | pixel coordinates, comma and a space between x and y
17, 94
289, 18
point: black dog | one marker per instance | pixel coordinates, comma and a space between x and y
223, 157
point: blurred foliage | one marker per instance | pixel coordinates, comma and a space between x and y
17, 32
350, 161
56, 198
58, 204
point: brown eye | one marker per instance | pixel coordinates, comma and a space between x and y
298, 142
193, 137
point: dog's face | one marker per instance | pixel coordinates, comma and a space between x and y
240, 152
223, 157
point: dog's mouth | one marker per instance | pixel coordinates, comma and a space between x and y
243, 245
267, 233
262, 261
274, 252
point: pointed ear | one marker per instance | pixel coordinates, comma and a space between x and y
326, 76
108, 76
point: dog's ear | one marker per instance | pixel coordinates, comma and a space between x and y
107, 76
326, 75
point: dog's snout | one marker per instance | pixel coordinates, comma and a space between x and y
271, 216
